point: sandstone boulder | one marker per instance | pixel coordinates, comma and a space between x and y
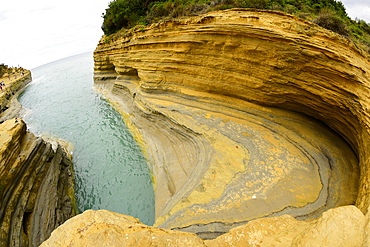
341, 226
105, 228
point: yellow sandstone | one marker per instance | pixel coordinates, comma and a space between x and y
255, 125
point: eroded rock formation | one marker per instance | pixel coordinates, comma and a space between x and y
36, 179
105, 228
9, 105
341, 226
36, 186
224, 105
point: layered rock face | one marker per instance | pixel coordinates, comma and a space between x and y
36, 186
224, 105
9, 105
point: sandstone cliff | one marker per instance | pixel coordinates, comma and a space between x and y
242, 114
36, 180
232, 110
9, 105
36, 186
343, 226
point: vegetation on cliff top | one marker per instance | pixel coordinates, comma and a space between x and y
329, 14
5, 70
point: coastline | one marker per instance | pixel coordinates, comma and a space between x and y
37, 181
214, 68
219, 142
10, 107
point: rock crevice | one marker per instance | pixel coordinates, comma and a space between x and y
36, 177
36, 186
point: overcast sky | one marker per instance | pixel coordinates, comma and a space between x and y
36, 32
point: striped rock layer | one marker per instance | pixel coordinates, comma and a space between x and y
242, 114
36, 186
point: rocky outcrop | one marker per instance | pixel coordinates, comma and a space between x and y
105, 228
36, 186
243, 114
9, 105
341, 226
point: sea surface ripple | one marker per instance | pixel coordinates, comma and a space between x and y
110, 170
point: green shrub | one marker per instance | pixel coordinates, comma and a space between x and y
176, 8
329, 20
128, 13
124, 14
3, 69
329, 14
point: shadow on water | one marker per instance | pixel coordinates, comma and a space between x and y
110, 170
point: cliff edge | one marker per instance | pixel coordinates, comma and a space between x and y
36, 179
15, 83
248, 119
36, 186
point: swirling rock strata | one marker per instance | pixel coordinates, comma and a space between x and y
220, 104
36, 186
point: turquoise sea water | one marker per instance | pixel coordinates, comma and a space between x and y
110, 170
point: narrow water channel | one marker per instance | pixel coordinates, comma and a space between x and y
110, 170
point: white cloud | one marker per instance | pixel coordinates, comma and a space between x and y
359, 9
